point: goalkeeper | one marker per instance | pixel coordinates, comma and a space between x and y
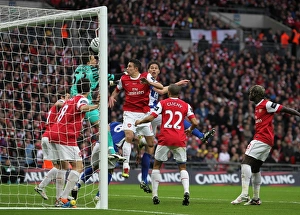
89, 69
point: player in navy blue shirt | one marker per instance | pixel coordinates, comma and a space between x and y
118, 137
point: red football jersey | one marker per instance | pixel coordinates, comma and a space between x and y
264, 114
136, 93
52, 114
173, 112
68, 124
51, 118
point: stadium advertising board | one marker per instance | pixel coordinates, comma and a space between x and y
173, 177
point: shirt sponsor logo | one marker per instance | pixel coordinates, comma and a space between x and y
136, 91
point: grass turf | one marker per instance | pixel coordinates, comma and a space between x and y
130, 199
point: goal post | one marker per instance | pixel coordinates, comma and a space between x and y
103, 65
35, 64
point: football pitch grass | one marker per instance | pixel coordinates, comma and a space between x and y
130, 199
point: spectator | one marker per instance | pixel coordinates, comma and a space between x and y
224, 157
294, 40
11, 174
192, 149
211, 161
288, 151
64, 34
3, 154
202, 111
203, 44
297, 153
273, 157
284, 40
234, 158
39, 154
29, 153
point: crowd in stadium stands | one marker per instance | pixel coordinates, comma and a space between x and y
285, 11
220, 77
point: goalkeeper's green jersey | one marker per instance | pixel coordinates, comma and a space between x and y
89, 72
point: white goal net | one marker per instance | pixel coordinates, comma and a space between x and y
39, 51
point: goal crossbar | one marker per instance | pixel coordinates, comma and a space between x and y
46, 18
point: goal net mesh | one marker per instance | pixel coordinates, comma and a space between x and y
36, 62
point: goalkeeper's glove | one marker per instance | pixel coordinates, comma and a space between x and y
208, 135
113, 83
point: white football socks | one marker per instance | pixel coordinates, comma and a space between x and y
246, 176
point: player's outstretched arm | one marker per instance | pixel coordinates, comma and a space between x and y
114, 77
165, 89
290, 111
87, 108
154, 84
118, 76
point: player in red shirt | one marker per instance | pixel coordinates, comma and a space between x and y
65, 132
48, 149
136, 106
172, 137
259, 148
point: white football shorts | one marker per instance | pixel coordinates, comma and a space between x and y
49, 150
258, 150
179, 153
129, 119
68, 153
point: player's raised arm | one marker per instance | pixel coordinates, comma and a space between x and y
290, 111
165, 89
94, 106
87, 108
152, 82
157, 85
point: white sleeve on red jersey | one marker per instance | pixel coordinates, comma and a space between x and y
190, 112
272, 107
61, 101
82, 101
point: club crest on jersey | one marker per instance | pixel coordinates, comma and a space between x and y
129, 125
260, 110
